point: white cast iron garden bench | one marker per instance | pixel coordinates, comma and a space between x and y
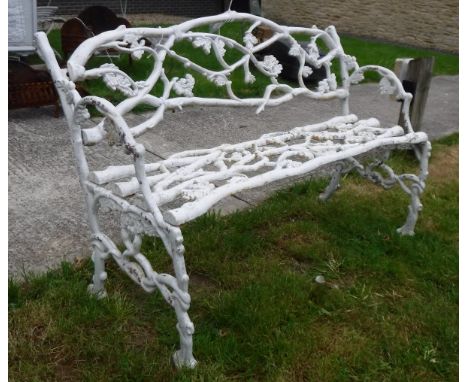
157, 198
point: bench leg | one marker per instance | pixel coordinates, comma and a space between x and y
184, 356
99, 255
411, 184
173, 288
333, 185
415, 206
423, 152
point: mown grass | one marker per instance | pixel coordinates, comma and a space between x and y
366, 52
388, 310
384, 54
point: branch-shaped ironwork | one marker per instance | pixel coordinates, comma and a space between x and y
132, 41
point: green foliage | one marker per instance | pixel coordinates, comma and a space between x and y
388, 310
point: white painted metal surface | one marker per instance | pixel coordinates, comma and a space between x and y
187, 184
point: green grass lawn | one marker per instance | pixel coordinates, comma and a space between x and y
384, 54
389, 310
366, 52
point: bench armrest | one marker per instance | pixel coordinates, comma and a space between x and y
389, 84
75, 109
111, 113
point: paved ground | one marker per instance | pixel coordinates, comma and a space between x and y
46, 215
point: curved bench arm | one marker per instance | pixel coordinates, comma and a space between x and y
110, 112
389, 84
75, 109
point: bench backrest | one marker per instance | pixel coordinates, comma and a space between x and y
236, 61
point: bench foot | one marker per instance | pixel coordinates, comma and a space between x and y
184, 356
99, 293
181, 360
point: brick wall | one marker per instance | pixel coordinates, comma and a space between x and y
171, 7
425, 23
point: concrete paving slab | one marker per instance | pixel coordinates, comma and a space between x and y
47, 222
205, 127
441, 116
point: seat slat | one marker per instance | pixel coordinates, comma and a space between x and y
191, 210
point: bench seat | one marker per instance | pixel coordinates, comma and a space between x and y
191, 182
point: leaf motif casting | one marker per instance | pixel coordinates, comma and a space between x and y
117, 81
197, 190
350, 62
271, 65
204, 43
184, 86
386, 87
323, 86
356, 77
307, 71
250, 40
249, 78
313, 52
220, 46
81, 114
67, 87
135, 41
136, 224
332, 82
220, 80
295, 50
